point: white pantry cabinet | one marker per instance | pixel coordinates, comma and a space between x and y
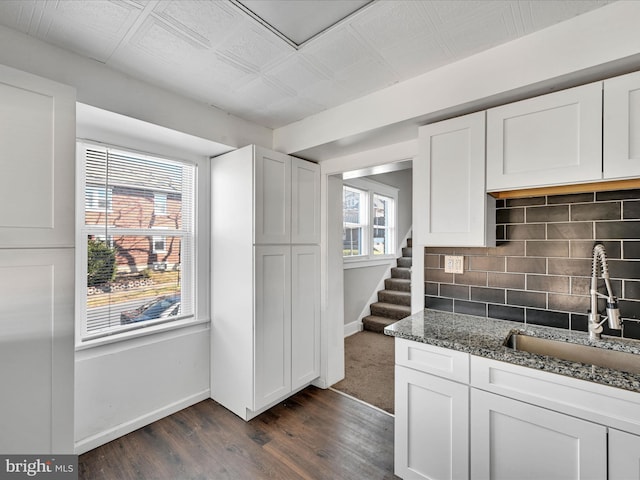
265, 333
515, 440
622, 126
449, 185
552, 139
431, 412
37, 172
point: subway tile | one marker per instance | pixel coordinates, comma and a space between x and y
629, 309
624, 269
616, 285
503, 312
439, 250
471, 250
581, 285
579, 322
431, 288
487, 264
631, 209
526, 265
570, 231
512, 248
471, 278
470, 308
490, 295
454, 291
432, 275
631, 290
617, 195
609, 332
596, 211
554, 213
548, 283
571, 198
631, 249
523, 202
510, 215
500, 202
506, 280
433, 261
584, 249
500, 233
547, 318
569, 303
631, 329
437, 303
527, 299
569, 266
622, 230
526, 232
547, 248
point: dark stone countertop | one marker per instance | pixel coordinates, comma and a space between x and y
485, 337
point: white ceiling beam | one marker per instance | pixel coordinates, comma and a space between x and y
601, 38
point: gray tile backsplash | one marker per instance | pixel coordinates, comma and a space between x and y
540, 270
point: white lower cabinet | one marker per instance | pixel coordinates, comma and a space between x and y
624, 455
515, 440
432, 421
459, 416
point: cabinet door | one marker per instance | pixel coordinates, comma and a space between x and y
272, 337
622, 126
431, 427
305, 314
449, 181
36, 357
305, 201
37, 161
624, 455
272, 201
547, 140
515, 440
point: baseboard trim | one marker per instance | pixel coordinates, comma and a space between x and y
353, 327
118, 431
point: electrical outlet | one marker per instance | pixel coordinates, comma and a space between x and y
453, 264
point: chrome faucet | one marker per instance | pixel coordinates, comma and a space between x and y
613, 311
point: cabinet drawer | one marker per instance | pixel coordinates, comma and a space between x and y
442, 362
597, 403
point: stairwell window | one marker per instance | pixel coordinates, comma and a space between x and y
136, 240
369, 220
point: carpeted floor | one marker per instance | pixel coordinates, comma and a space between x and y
369, 365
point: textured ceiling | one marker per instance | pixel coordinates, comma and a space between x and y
212, 51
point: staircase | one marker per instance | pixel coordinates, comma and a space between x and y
394, 302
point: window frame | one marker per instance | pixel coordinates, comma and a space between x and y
85, 339
371, 188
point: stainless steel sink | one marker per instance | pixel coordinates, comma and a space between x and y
626, 362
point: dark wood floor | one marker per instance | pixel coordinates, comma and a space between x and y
316, 434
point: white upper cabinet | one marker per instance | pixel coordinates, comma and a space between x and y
622, 126
449, 185
305, 202
37, 161
552, 139
272, 197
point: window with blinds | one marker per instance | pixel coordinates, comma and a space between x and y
137, 240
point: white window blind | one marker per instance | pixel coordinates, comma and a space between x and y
138, 250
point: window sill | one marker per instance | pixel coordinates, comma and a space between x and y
139, 333
364, 262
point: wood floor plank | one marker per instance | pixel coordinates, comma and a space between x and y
314, 435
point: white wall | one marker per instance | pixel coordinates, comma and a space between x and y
124, 385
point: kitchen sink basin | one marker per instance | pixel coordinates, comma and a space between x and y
624, 361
